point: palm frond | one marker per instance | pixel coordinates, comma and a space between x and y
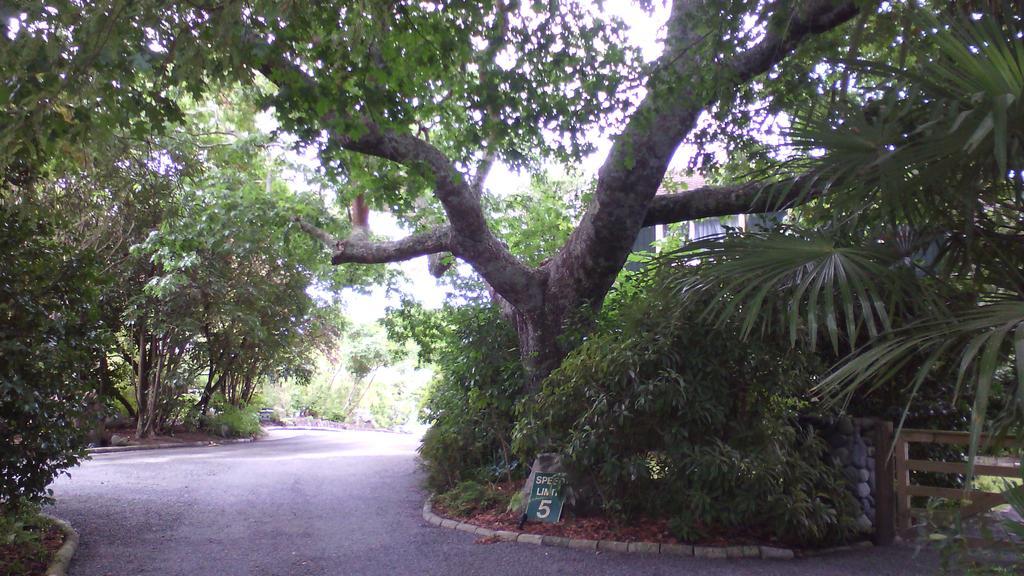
981, 65
903, 153
982, 339
817, 286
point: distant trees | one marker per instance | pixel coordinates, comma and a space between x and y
148, 274
347, 380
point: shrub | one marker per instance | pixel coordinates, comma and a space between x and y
471, 401
234, 422
47, 334
468, 497
659, 414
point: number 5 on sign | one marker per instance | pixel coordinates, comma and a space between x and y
544, 509
546, 497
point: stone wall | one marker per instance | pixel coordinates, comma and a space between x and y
851, 443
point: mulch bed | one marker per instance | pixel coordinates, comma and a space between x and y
176, 435
592, 527
24, 560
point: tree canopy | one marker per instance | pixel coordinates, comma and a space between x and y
409, 104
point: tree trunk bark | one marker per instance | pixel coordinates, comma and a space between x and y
141, 384
98, 406
539, 348
359, 214
150, 429
132, 412
204, 399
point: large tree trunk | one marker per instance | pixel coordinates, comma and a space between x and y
150, 428
539, 347
204, 399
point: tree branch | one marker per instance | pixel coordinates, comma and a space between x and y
624, 200
421, 244
316, 232
748, 198
469, 238
368, 252
588, 263
437, 264
812, 17
483, 169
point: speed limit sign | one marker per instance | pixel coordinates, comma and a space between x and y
546, 497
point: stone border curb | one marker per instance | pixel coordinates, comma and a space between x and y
723, 552
62, 558
197, 444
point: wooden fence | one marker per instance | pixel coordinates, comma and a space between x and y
973, 502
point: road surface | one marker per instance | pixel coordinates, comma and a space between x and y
333, 503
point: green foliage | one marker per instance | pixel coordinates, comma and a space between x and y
367, 349
826, 285
918, 239
363, 370
229, 275
475, 75
970, 546
47, 332
397, 401
324, 396
469, 496
536, 222
15, 524
471, 402
660, 414
234, 422
21, 548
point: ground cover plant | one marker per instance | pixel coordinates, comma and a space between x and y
28, 541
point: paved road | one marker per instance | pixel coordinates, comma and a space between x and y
331, 503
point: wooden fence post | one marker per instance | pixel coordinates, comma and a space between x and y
885, 489
901, 453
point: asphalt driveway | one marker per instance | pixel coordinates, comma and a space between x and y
333, 503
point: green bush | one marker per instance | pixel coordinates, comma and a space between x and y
234, 422
48, 335
660, 414
468, 497
471, 402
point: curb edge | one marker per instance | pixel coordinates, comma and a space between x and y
634, 548
62, 558
197, 444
